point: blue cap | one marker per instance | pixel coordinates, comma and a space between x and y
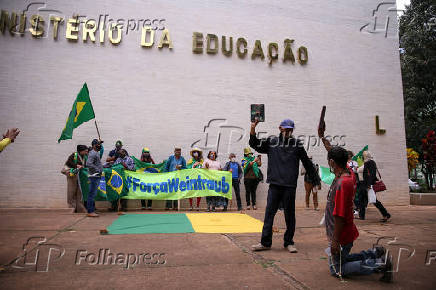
287, 124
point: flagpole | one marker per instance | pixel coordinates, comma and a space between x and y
96, 127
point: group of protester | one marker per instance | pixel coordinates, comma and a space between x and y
91, 157
284, 154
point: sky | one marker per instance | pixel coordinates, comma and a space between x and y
401, 3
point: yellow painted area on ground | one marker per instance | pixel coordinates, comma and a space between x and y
224, 223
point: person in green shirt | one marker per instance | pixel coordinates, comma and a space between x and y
195, 162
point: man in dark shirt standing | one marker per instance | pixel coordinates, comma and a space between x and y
284, 154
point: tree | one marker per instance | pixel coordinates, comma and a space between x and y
417, 32
429, 155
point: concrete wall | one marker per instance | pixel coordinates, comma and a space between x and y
161, 98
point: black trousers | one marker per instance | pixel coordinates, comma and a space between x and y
363, 203
149, 202
381, 208
362, 199
276, 194
235, 184
123, 204
250, 190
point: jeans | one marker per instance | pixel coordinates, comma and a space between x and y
363, 263
250, 190
235, 184
276, 194
93, 185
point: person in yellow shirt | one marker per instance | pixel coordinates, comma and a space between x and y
8, 138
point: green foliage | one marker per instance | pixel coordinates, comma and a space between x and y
417, 33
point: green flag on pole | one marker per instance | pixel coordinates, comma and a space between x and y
359, 156
326, 176
81, 112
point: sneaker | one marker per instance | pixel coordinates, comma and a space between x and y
248, 207
143, 208
254, 207
92, 214
292, 249
356, 212
260, 247
388, 274
149, 208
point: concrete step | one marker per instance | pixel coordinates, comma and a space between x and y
423, 198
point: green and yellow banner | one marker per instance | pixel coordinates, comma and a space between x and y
112, 184
116, 182
178, 184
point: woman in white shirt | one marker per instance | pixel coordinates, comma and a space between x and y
212, 164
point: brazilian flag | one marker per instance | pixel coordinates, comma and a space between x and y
148, 167
359, 156
81, 112
115, 179
84, 186
112, 184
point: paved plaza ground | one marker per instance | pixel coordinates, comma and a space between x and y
213, 261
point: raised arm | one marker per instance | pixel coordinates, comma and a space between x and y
324, 140
260, 145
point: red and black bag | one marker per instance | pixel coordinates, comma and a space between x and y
379, 184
